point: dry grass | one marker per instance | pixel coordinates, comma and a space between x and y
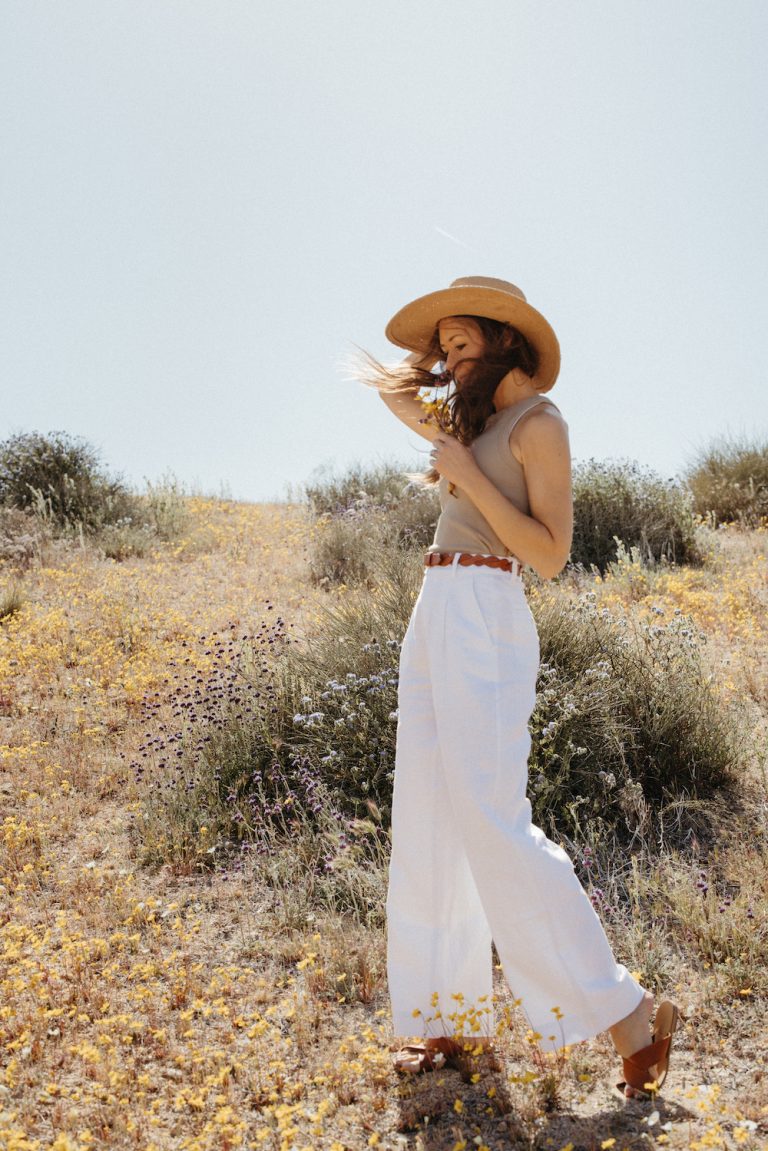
206, 1011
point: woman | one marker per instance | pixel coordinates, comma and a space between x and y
467, 864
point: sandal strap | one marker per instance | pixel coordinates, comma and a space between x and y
635, 1067
449, 1048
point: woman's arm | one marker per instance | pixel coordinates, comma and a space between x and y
407, 406
542, 539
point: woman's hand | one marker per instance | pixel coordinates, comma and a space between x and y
453, 460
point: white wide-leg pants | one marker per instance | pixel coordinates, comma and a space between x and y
467, 864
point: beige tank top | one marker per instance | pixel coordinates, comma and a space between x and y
461, 527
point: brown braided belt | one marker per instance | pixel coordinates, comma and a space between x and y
466, 559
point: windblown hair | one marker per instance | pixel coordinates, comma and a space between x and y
467, 407
471, 404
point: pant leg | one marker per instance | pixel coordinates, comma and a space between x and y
438, 939
553, 949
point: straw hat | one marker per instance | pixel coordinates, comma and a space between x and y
413, 327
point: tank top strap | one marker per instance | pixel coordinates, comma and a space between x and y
509, 417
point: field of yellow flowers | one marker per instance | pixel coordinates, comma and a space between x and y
156, 1010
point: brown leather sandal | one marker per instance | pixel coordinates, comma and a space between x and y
646, 1070
431, 1055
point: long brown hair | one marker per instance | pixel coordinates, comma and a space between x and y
465, 410
472, 404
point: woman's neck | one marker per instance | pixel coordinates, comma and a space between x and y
514, 387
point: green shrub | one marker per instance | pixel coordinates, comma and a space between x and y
729, 481
627, 725
56, 484
621, 501
61, 478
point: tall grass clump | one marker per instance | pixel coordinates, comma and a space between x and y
360, 514
728, 481
622, 501
160, 514
165, 507
11, 600
61, 478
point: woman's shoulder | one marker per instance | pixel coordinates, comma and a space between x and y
545, 409
540, 426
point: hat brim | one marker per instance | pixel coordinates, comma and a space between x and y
413, 327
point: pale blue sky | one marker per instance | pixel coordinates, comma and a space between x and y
206, 203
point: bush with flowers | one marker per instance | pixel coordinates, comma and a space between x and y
628, 736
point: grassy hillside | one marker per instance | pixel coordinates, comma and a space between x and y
215, 999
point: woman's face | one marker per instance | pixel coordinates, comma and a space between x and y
460, 339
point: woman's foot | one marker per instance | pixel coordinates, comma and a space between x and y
428, 1055
439, 1052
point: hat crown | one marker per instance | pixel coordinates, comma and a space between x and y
489, 282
